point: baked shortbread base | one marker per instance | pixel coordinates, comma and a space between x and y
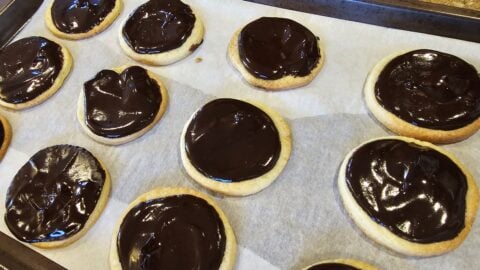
62, 75
7, 136
101, 203
131, 137
357, 264
383, 236
169, 57
251, 186
402, 127
230, 254
286, 82
107, 21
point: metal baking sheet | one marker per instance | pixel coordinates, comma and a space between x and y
411, 15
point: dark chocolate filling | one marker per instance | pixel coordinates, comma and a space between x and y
332, 266
230, 140
415, 192
172, 233
53, 194
430, 89
80, 16
272, 48
118, 105
28, 68
159, 26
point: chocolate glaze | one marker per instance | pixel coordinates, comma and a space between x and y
332, 266
271, 48
176, 232
159, 26
28, 68
430, 89
117, 105
53, 194
230, 140
80, 16
415, 192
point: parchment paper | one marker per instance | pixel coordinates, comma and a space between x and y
296, 221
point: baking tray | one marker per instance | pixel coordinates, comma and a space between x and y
411, 15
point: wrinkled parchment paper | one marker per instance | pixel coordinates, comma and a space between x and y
296, 221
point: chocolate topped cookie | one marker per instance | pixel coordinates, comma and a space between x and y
276, 53
31, 70
235, 147
161, 32
173, 228
77, 19
56, 196
341, 264
117, 106
420, 200
426, 94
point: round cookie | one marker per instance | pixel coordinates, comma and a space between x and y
235, 147
5, 136
150, 35
268, 59
200, 229
32, 69
72, 19
408, 195
425, 94
137, 93
341, 264
56, 196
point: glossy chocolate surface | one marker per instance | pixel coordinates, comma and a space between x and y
230, 140
172, 233
53, 194
117, 105
159, 26
430, 89
415, 192
80, 16
28, 68
272, 48
332, 266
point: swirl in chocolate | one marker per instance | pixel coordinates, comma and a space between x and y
415, 192
118, 105
28, 68
53, 194
272, 48
176, 232
159, 26
430, 89
230, 140
332, 266
80, 16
